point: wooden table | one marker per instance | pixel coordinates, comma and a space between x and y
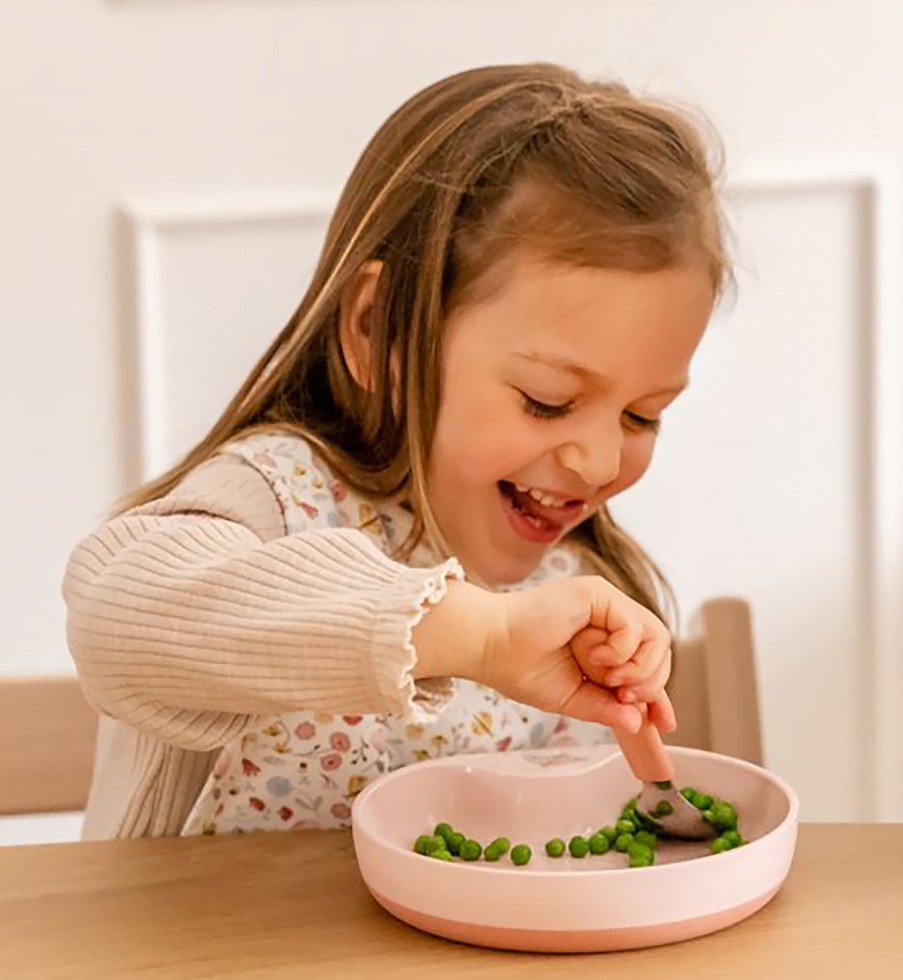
293, 905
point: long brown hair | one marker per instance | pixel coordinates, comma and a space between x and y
585, 171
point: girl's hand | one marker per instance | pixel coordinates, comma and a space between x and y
638, 679
577, 647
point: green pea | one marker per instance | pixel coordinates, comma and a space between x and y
647, 839
688, 793
441, 855
502, 845
443, 830
703, 801
662, 809
719, 845
722, 815
556, 847
454, 842
521, 854
641, 862
422, 843
578, 846
470, 850
492, 853
640, 856
734, 838
610, 832
622, 842
644, 822
625, 827
434, 844
599, 844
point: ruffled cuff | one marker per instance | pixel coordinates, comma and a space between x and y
395, 656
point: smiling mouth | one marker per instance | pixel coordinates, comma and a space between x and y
539, 515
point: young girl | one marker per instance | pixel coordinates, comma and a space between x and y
394, 543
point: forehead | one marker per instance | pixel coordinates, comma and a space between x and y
612, 322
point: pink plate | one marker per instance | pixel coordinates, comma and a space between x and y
567, 904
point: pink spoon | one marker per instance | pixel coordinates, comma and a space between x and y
659, 802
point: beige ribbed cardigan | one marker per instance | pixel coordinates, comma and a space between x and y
195, 615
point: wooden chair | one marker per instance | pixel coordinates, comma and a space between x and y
714, 686
47, 735
47, 729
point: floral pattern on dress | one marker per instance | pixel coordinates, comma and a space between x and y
303, 770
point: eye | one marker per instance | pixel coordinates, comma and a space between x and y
542, 410
642, 424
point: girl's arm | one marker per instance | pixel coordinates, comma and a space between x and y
194, 615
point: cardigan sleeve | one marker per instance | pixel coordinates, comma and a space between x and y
192, 617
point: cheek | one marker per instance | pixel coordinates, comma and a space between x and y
482, 435
635, 459
462, 451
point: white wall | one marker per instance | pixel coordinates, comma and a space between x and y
164, 172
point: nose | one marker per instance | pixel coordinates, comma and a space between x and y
594, 454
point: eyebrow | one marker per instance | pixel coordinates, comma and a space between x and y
563, 364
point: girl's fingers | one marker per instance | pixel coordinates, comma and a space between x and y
647, 690
614, 649
661, 714
586, 641
590, 651
598, 650
625, 622
592, 703
651, 655
661, 711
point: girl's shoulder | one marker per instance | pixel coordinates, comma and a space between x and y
278, 453
309, 493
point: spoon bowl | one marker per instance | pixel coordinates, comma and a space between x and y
662, 808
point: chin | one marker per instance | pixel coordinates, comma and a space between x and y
503, 571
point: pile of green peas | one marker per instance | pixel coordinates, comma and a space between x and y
446, 843
721, 815
631, 834
627, 836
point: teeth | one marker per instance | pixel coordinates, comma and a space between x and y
547, 499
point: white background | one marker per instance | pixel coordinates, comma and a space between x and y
166, 169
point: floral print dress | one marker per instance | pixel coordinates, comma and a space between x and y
302, 770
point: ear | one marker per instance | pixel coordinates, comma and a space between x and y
356, 320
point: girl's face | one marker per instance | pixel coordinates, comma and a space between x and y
552, 390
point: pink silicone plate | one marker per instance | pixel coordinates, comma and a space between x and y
567, 904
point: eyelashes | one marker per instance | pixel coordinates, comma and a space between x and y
544, 410
642, 423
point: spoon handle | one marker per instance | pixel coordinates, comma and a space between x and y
645, 752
